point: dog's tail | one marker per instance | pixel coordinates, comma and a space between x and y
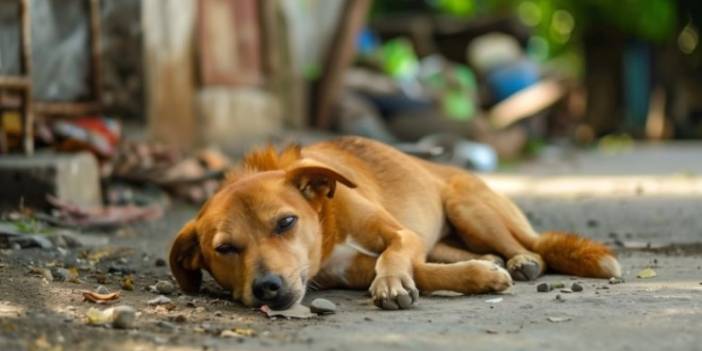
574, 255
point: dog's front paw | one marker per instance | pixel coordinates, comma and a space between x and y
394, 292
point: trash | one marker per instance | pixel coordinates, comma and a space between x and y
99, 135
100, 298
646, 273
123, 317
322, 306
558, 319
495, 300
106, 217
463, 153
160, 300
297, 312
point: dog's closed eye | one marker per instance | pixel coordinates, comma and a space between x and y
284, 224
227, 249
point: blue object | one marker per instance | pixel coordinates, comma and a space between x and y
367, 42
511, 78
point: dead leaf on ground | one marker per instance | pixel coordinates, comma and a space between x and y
100, 298
127, 282
99, 317
646, 273
297, 312
238, 333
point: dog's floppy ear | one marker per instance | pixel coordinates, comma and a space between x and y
186, 259
316, 180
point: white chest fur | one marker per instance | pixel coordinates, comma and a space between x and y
342, 257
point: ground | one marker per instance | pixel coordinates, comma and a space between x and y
653, 200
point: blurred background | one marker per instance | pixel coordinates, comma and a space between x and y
171, 92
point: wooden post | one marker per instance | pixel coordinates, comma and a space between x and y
338, 58
168, 27
26, 70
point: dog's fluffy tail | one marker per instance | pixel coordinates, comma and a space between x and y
574, 255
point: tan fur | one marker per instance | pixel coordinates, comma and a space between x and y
369, 216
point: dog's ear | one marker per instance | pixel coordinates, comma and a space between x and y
186, 259
316, 180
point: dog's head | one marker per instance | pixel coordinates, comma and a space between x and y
260, 235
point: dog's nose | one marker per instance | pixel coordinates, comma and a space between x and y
267, 288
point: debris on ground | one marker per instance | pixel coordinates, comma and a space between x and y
616, 280
646, 273
160, 300
576, 287
101, 289
322, 306
295, 312
108, 217
99, 317
558, 319
559, 298
238, 333
123, 317
494, 300
544, 287
127, 282
163, 287
100, 298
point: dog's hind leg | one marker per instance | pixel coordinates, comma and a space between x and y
467, 277
482, 219
445, 252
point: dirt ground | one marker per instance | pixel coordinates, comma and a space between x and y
659, 313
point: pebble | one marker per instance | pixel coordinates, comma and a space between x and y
159, 300
61, 274
166, 325
101, 289
566, 291
180, 318
576, 287
123, 317
218, 313
543, 287
160, 262
616, 280
560, 298
165, 287
322, 306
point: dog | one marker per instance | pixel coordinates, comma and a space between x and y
358, 214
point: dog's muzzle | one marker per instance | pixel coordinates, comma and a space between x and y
271, 289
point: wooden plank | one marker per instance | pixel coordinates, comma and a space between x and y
169, 27
14, 82
228, 41
338, 58
66, 109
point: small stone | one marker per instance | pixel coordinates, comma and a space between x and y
576, 287
159, 300
164, 287
566, 291
592, 223
160, 262
322, 306
543, 287
616, 280
123, 317
559, 298
101, 289
199, 309
180, 318
218, 314
61, 274
168, 326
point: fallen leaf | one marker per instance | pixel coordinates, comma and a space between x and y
558, 319
238, 333
297, 311
100, 298
99, 317
73, 275
646, 273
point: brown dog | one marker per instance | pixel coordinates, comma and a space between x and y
354, 213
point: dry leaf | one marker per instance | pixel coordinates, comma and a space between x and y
100, 298
646, 273
298, 312
127, 282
